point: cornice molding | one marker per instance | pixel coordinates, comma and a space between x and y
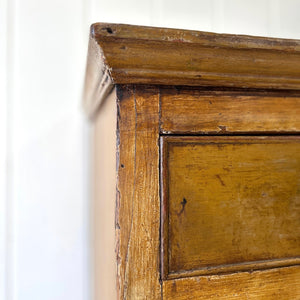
126, 54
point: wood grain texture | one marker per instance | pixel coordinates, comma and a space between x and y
125, 54
104, 195
186, 110
171, 81
274, 284
230, 204
138, 205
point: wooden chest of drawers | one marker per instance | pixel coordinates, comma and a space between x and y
196, 164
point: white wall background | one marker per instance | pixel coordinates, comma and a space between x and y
44, 201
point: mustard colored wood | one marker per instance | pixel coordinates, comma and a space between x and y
205, 196
273, 284
125, 54
231, 204
138, 203
189, 110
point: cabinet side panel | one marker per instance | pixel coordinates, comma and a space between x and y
104, 187
138, 206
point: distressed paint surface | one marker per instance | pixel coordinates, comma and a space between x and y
187, 110
242, 85
125, 54
138, 205
274, 284
233, 203
139, 54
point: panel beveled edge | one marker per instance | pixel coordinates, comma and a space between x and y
165, 141
126, 54
164, 211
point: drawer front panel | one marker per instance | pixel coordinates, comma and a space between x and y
273, 284
192, 111
229, 204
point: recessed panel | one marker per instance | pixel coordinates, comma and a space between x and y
230, 204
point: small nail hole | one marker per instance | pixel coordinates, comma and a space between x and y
109, 30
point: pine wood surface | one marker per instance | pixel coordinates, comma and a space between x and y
230, 204
138, 204
273, 284
186, 110
125, 54
140, 114
215, 220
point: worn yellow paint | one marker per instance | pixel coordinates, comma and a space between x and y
274, 284
185, 110
233, 203
137, 211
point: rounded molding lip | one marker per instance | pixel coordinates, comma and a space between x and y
128, 54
